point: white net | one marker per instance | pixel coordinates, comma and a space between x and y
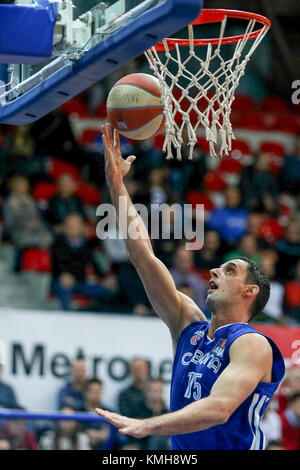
202, 98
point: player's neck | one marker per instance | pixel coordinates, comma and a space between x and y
221, 320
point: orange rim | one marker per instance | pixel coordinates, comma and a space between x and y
216, 16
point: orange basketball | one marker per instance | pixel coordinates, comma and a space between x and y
134, 106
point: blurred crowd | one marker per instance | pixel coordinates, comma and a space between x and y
142, 398
52, 181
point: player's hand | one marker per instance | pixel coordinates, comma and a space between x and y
132, 427
115, 166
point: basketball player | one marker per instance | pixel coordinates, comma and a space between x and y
225, 372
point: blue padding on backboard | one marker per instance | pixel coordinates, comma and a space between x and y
26, 32
118, 48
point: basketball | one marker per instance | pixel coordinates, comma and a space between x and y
134, 106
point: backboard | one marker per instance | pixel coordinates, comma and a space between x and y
90, 40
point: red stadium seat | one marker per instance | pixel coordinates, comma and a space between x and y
44, 191
60, 167
276, 152
287, 123
271, 230
159, 141
274, 103
253, 121
36, 259
230, 165
101, 110
76, 107
244, 102
89, 136
214, 182
89, 194
242, 146
203, 144
196, 197
273, 147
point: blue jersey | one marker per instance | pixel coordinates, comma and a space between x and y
198, 363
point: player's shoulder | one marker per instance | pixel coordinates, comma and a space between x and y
242, 335
252, 345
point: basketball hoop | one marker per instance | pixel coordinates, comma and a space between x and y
206, 96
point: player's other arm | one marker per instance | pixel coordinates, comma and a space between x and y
176, 309
250, 363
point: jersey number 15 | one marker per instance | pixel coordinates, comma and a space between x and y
193, 386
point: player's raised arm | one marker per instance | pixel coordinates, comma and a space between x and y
175, 309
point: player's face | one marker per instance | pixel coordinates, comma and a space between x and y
227, 283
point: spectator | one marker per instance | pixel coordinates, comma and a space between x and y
157, 186
132, 289
183, 273
53, 135
290, 178
273, 311
292, 295
271, 423
65, 202
21, 156
4, 443
288, 250
19, 437
247, 247
258, 185
208, 257
72, 254
168, 240
99, 433
23, 223
254, 223
7, 395
290, 422
289, 386
67, 436
73, 392
230, 221
132, 399
154, 406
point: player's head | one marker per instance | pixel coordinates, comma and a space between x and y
238, 282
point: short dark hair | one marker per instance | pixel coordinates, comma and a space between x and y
257, 277
94, 380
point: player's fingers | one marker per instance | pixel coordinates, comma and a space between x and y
104, 132
116, 139
124, 430
109, 133
130, 159
108, 156
100, 412
111, 417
